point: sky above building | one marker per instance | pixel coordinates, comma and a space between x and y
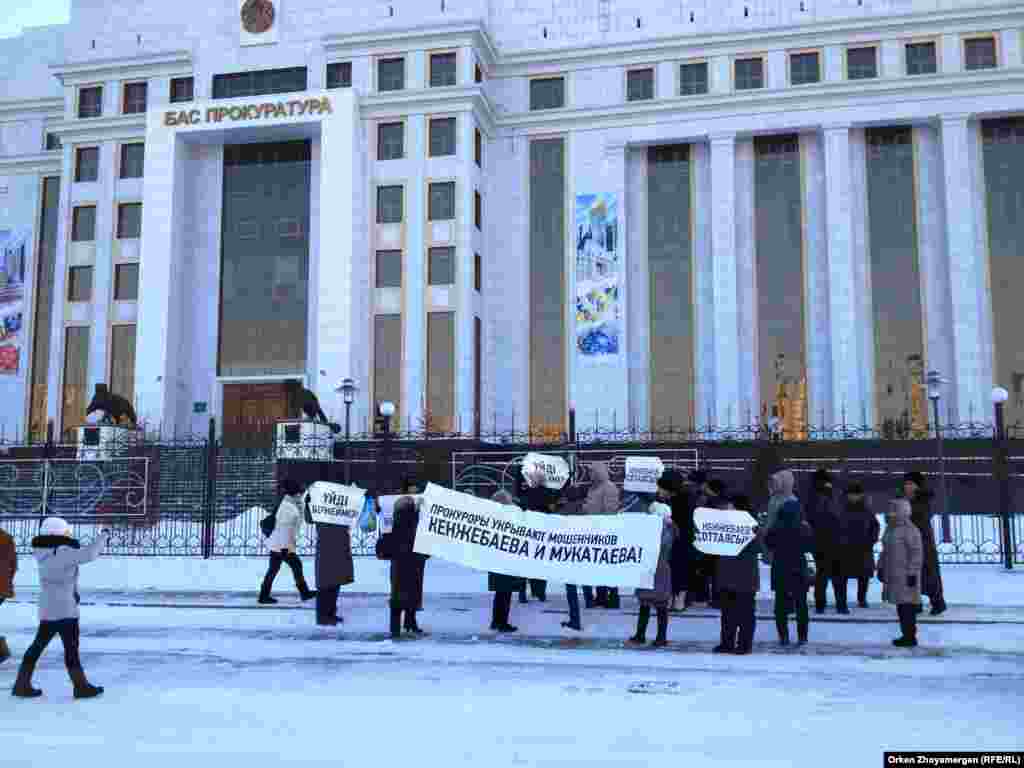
19, 14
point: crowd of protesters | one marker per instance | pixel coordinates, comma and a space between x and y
838, 532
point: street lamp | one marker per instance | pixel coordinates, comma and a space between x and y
347, 388
934, 382
1002, 473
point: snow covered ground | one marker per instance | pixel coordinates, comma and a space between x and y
196, 675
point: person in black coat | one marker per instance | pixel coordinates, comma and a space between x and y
738, 578
713, 494
537, 498
502, 585
858, 533
680, 499
788, 539
920, 499
411, 487
406, 586
334, 567
823, 516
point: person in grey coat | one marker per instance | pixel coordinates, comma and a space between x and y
58, 557
660, 597
899, 569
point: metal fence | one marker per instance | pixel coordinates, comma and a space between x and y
195, 495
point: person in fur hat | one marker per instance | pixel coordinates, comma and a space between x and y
8, 566
58, 556
916, 492
660, 597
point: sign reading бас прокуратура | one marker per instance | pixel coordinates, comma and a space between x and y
267, 110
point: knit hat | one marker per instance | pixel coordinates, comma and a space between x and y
855, 489
741, 501
914, 477
716, 486
55, 526
290, 487
671, 480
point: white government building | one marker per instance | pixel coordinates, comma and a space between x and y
660, 213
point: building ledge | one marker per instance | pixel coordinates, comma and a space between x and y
43, 163
426, 100
145, 65
408, 38
99, 128
26, 109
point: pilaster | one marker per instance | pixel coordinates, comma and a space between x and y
727, 411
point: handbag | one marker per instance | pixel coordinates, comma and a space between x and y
267, 524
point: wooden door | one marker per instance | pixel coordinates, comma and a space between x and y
251, 411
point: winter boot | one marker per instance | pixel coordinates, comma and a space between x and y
908, 627
83, 688
5, 651
801, 634
396, 622
938, 607
614, 602
23, 684
783, 629
662, 639
641, 626
411, 625
266, 600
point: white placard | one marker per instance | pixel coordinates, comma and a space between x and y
642, 474
335, 504
613, 550
555, 468
722, 531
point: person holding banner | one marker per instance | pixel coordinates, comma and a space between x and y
660, 597
738, 579
334, 568
411, 488
789, 539
602, 498
282, 543
406, 584
501, 585
537, 498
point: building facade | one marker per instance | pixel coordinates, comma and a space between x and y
664, 215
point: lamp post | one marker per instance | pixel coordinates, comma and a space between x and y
347, 388
999, 398
934, 380
385, 411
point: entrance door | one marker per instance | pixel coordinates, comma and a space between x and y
251, 411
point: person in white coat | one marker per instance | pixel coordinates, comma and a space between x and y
282, 543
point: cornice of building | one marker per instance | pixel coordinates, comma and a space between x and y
100, 128
373, 106
752, 104
26, 109
473, 33
121, 68
518, 63
42, 163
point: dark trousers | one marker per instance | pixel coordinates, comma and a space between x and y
501, 609
538, 588
828, 570
785, 597
862, 589
572, 595
327, 603
738, 619
276, 558
68, 631
908, 620
607, 597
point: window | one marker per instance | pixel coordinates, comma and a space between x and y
90, 101
76, 375
861, 63
442, 136
693, 78
182, 89
339, 74
440, 372
387, 360
441, 203
390, 141
83, 224
87, 163
389, 269
640, 84
259, 83
53, 142
132, 160
391, 74
389, 204
547, 93
122, 361
804, 68
749, 74
442, 69
478, 74
80, 284
478, 273
129, 221
478, 148
134, 99
921, 59
478, 210
126, 282
441, 266
980, 53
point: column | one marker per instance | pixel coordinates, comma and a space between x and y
967, 269
704, 299
843, 318
103, 278
55, 375
727, 409
638, 288
467, 242
864, 414
746, 278
816, 282
414, 275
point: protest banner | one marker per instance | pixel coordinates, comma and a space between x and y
611, 550
642, 474
335, 504
722, 531
555, 469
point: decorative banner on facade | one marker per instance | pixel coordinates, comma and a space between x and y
613, 550
642, 474
335, 504
13, 268
598, 279
722, 531
555, 469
